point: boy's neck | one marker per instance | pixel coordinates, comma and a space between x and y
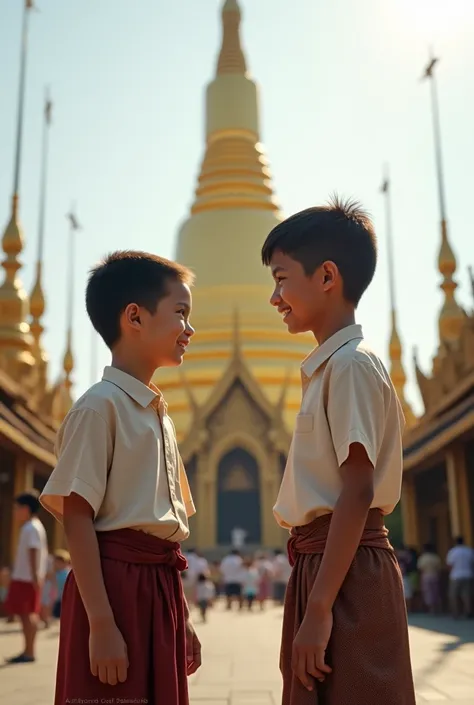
133, 367
334, 323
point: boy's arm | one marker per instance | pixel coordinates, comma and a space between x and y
34, 546
33, 559
84, 550
345, 531
74, 494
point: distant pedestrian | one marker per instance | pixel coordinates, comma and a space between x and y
460, 560
281, 575
62, 568
29, 572
250, 582
48, 593
205, 594
430, 566
231, 569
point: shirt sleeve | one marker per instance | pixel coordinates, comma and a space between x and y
185, 489
33, 538
84, 450
356, 409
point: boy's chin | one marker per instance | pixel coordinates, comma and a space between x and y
174, 360
295, 327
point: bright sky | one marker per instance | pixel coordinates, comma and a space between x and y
341, 95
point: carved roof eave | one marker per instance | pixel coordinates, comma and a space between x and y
429, 439
454, 376
236, 370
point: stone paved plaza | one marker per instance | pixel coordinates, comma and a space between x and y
241, 656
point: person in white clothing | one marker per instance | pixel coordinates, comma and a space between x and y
232, 576
205, 594
250, 582
197, 564
29, 572
281, 575
460, 560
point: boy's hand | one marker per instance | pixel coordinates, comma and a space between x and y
108, 653
309, 647
193, 649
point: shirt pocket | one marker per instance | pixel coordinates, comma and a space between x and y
304, 423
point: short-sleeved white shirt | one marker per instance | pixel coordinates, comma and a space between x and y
461, 561
32, 535
117, 448
348, 397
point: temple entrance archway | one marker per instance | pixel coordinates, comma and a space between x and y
238, 497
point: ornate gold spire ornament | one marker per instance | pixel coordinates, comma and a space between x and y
397, 371
234, 171
37, 300
15, 339
64, 401
451, 317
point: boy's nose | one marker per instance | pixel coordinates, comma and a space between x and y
275, 298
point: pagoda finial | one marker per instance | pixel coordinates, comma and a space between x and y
68, 359
234, 171
37, 300
451, 316
231, 57
397, 371
15, 338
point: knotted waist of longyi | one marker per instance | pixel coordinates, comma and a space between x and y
311, 538
132, 546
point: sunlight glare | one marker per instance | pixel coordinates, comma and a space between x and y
434, 19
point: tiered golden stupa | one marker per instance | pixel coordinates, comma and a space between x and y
235, 400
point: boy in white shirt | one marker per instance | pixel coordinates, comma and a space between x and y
29, 571
345, 631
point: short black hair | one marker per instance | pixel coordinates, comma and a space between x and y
29, 499
126, 277
459, 540
341, 232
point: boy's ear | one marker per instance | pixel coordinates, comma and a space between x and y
330, 272
131, 315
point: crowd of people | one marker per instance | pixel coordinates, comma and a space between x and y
241, 580
433, 585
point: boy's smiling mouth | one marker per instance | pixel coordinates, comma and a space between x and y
285, 311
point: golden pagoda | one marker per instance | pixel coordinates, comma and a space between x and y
234, 403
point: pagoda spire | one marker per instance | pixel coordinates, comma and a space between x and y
451, 316
15, 339
37, 300
64, 401
234, 171
231, 57
397, 371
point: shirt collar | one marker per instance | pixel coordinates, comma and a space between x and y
139, 392
323, 352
